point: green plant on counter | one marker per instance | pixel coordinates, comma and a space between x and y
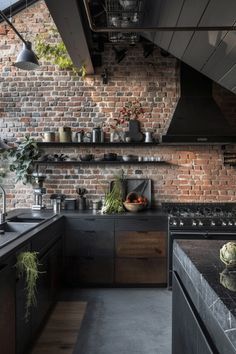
56, 52
23, 157
113, 202
27, 265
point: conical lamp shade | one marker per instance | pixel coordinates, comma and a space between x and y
27, 59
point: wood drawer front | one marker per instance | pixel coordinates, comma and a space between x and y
90, 224
141, 244
89, 270
141, 223
89, 243
141, 271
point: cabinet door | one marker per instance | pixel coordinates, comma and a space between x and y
140, 270
188, 334
43, 294
89, 270
7, 308
23, 325
141, 244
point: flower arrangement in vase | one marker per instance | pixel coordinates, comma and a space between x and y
130, 112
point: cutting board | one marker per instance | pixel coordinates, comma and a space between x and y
139, 185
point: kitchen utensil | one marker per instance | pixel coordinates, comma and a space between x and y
70, 203
48, 136
96, 135
110, 157
65, 134
74, 137
148, 137
82, 203
127, 157
87, 157
80, 136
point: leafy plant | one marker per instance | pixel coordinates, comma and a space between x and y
23, 158
56, 52
27, 265
113, 200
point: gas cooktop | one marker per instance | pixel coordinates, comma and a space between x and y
201, 215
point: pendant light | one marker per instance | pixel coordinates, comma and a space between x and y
27, 59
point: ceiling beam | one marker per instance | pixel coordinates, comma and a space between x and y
69, 24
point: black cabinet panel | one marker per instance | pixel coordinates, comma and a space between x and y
7, 308
90, 224
141, 223
89, 243
188, 334
89, 270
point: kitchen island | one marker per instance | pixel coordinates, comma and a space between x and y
204, 299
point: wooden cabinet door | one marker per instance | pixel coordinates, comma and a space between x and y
7, 308
141, 244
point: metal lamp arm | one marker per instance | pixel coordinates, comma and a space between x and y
14, 29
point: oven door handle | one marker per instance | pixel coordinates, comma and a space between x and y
203, 234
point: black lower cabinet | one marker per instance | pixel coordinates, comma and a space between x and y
7, 308
23, 324
188, 333
48, 284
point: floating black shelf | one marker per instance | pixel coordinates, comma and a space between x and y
109, 144
119, 162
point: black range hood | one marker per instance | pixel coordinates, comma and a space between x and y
197, 117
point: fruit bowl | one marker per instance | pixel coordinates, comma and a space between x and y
134, 207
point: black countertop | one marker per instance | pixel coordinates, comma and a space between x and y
50, 217
200, 270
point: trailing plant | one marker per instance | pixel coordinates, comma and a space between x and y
23, 157
56, 52
113, 202
4, 165
27, 265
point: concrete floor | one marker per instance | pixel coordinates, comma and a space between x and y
124, 321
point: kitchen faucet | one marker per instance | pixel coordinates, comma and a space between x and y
4, 212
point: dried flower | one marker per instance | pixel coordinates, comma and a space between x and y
131, 110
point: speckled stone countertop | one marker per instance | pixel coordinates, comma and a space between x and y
200, 270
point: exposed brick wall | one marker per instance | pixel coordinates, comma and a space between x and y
42, 100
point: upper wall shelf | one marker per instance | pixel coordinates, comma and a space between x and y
109, 144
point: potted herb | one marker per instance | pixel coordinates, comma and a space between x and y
27, 265
23, 157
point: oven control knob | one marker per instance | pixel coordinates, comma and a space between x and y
181, 223
200, 223
194, 223
223, 223
234, 222
213, 223
230, 223
174, 222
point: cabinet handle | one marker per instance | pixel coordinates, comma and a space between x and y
142, 219
89, 219
89, 258
142, 232
90, 231
143, 258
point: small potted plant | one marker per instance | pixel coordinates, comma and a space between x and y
23, 157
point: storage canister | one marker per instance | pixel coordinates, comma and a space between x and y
65, 134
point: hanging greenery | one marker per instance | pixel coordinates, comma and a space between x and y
22, 159
27, 265
56, 52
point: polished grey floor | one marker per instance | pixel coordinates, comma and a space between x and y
124, 321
